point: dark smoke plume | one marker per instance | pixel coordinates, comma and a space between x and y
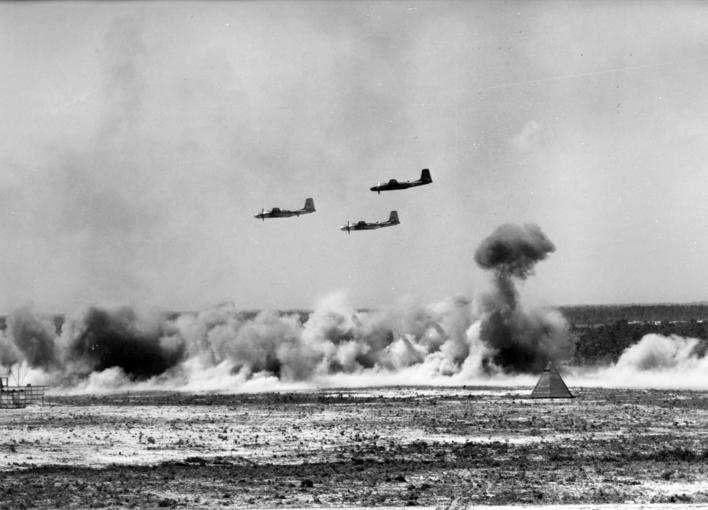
514, 250
103, 339
8, 352
519, 341
222, 348
33, 338
452, 342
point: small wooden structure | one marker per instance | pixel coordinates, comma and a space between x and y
20, 396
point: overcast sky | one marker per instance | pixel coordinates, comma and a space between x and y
138, 139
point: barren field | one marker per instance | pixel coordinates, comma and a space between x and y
375, 447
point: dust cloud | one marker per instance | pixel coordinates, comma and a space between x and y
656, 361
488, 339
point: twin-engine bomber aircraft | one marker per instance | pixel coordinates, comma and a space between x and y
362, 225
275, 212
394, 184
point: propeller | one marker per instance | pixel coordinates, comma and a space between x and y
349, 230
378, 190
263, 213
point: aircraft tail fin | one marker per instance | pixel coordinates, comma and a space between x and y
310, 205
393, 218
425, 176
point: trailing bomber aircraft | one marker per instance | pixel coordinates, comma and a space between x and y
394, 184
276, 212
362, 225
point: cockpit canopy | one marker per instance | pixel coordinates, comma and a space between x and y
275, 209
393, 181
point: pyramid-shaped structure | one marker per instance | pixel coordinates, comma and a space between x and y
551, 385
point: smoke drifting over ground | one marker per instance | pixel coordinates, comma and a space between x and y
490, 339
33, 339
221, 348
100, 339
655, 361
100, 349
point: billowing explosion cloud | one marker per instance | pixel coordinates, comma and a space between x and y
519, 341
410, 342
33, 338
140, 347
514, 250
222, 348
489, 339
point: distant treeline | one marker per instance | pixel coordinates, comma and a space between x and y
605, 331
580, 315
603, 343
608, 314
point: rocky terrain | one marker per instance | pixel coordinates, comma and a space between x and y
375, 447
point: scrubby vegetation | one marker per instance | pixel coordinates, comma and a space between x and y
584, 315
603, 332
604, 343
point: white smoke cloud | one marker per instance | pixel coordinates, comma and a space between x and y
102, 348
222, 348
655, 361
657, 352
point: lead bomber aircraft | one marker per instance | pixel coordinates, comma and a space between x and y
362, 225
276, 212
394, 184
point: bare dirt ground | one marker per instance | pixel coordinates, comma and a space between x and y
438, 447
